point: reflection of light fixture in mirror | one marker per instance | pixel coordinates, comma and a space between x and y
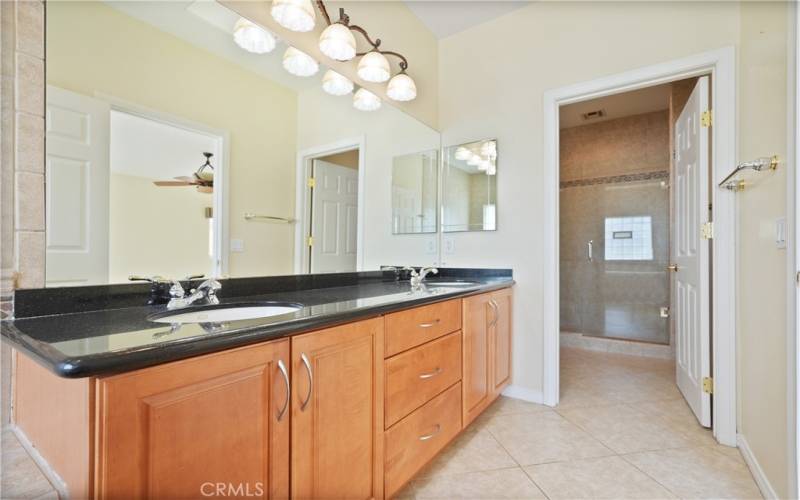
484, 165
294, 15
463, 153
365, 100
402, 88
374, 67
474, 160
337, 42
335, 84
299, 63
489, 149
252, 38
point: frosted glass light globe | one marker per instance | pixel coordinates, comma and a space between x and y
364, 100
299, 63
252, 38
338, 42
373, 67
402, 88
294, 15
336, 84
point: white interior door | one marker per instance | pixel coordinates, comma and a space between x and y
77, 170
691, 295
334, 218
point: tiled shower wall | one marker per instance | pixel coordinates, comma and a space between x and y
22, 239
616, 171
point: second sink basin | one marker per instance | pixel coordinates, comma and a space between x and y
229, 313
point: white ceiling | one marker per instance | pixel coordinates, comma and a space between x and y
448, 17
616, 106
154, 150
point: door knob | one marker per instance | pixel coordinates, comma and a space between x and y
673, 267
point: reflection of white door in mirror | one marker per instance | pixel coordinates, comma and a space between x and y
334, 218
77, 172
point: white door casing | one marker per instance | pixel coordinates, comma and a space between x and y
690, 252
334, 219
77, 189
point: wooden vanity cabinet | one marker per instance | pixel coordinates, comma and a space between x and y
216, 424
337, 412
486, 350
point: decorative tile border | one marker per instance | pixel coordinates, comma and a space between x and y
616, 179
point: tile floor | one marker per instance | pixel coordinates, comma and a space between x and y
622, 430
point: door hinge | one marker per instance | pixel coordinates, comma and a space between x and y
311, 241
706, 119
312, 182
708, 385
707, 230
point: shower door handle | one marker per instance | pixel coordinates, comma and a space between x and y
589, 247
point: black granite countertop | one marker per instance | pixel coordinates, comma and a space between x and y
109, 335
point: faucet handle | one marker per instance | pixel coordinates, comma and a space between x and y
211, 285
176, 291
412, 270
151, 279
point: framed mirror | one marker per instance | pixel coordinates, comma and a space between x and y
469, 187
415, 192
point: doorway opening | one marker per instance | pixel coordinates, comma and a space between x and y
331, 208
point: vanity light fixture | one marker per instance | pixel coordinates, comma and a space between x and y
402, 88
294, 15
463, 153
336, 84
374, 67
299, 63
252, 38
474, 160
364, 100
337, 42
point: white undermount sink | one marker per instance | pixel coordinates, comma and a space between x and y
222, 314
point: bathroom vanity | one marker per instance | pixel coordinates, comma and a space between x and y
349, 396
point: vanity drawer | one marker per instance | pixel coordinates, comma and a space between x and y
416, 439
407, 329
416, 376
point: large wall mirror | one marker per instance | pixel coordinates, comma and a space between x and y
415, 196
178, 144
469, 187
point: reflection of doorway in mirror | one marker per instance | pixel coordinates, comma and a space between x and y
334, 213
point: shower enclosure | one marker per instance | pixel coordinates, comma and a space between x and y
614, 254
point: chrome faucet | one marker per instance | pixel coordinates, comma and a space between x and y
418, 277
205, 291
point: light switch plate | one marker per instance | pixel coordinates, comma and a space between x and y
237, 245
780, 232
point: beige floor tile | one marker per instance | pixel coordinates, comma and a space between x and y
675, 413
536, 438
509, 406
624, 429
470, 452
698, 472
609, 477
21, 478
506, 483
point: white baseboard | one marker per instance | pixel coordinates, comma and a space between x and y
755, 468
517, 392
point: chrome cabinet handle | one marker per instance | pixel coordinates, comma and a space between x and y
285, 375
589, 248
428, 325
436, 431
432, 374
307, 364
496, 312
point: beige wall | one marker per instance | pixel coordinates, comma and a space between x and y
143, 240
492, 79
86, 54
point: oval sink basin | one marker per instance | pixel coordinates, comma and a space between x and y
450, 283
221, 314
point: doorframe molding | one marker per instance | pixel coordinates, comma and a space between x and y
302, 210
221, 199
721, 65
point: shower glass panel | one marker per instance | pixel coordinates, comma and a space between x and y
614, 253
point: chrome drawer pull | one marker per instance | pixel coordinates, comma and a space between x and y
285, 374
426, 437
307, 364
432, 323
432, 374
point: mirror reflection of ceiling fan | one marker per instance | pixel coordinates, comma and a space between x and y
202, 179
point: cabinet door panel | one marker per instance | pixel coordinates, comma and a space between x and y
182, 429
476, 364
501, 348
337, 412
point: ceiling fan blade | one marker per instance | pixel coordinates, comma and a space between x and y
190, 180
205, 189
172, 183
